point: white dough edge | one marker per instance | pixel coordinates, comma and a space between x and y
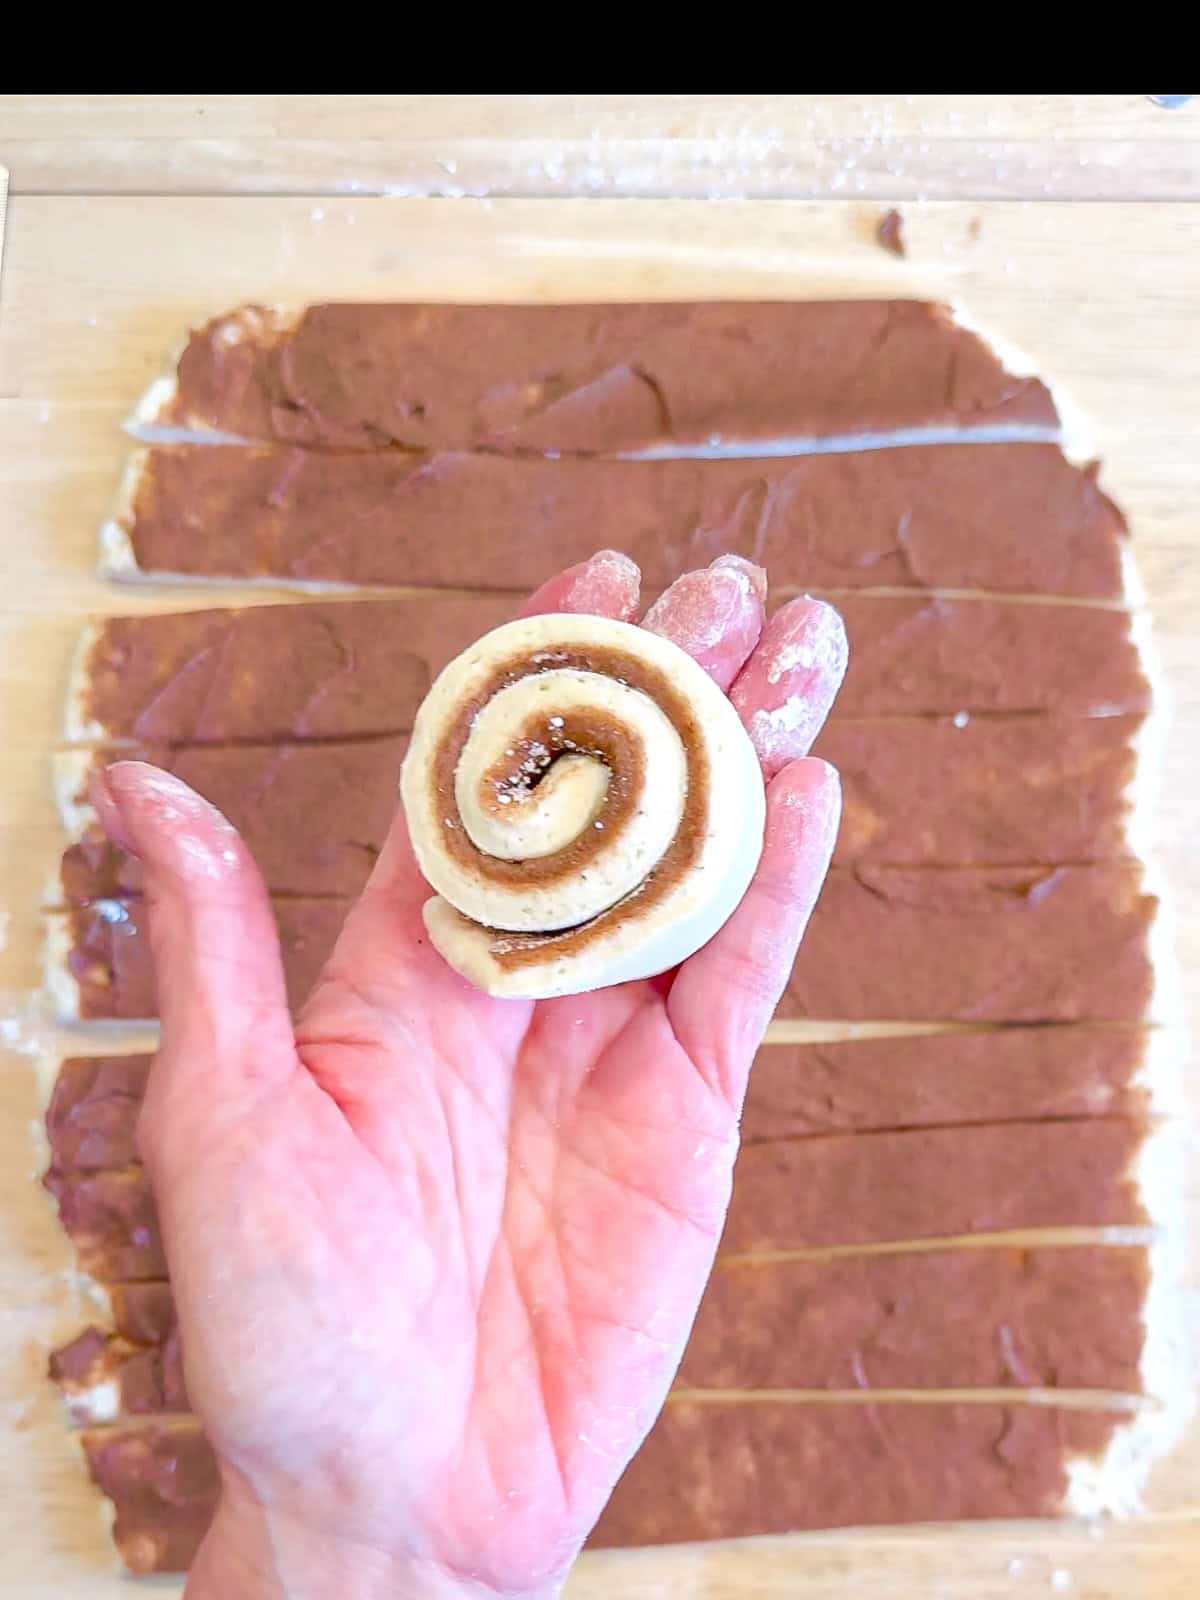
116, 561
1114, 1482
145, 421
60, 993
164, 1583
78, 726
691, 912
85, 1405
116, 558
1077, 434
69, 770
69, 774
92, 1405
59, 983
1142, 796
1167, 1006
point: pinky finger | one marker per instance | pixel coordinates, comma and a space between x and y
784, 692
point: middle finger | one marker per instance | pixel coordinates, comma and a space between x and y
715, 614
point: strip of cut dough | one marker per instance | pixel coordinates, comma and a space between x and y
590, 378
986, 518
801, 1465
356, 668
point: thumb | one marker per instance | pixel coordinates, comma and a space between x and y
221, 994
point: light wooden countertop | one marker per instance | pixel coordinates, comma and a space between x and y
1070, 225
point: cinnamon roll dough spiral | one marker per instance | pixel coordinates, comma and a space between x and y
586, 803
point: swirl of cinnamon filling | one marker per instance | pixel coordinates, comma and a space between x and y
585, 802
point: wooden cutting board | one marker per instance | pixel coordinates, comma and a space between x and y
97, 286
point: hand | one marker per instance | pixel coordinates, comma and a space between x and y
436, 1255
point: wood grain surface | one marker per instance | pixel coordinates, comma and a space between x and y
800, 147
106, 262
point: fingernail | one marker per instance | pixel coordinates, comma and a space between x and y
813, 788
807, 634
829, 806
757, 575
697, 612
826, 779
607, 583
694, 612
108, 810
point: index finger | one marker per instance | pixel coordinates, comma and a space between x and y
607, 584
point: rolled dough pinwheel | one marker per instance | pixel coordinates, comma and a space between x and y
586, 803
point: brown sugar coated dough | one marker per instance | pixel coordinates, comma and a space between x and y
722, 1470
313, 815
148, 1380
319, 671
110, 973
327, 671
953, 1319
82, 1361
111, 1220
1025, 1074
890, 1320
92, 1116
945, 1319
142, 1357
163, 1482
1001, 790
932, 1183
857, 1085
1005, 517
799, 1467
144, 1313
938, 656
590, 378
976, 944
937, 944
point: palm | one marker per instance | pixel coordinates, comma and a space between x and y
488, 1258
437, 1258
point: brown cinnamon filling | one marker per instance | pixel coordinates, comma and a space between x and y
592, 731
529, 758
